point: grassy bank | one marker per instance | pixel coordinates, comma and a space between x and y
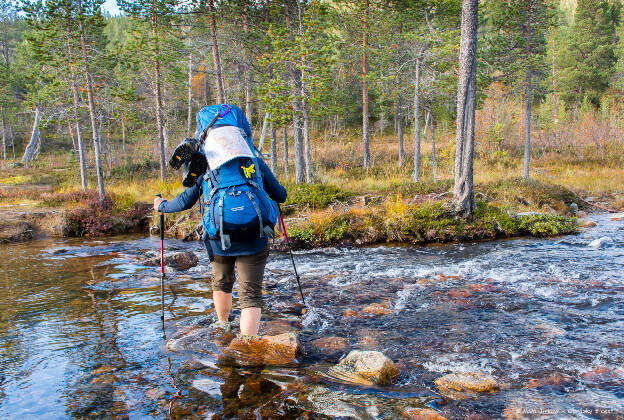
432, 221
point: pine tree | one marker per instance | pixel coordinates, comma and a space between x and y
517, 47
157, 17
586, 54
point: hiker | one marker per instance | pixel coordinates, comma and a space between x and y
239, 209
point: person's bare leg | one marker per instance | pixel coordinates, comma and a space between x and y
250, 321
223, 305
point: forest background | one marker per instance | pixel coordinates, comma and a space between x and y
346, 97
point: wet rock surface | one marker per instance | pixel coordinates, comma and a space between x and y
365, 367
423, 414
179, 260
272, 350
464, 385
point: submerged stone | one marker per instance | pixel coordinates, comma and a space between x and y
200, 340
179, 260
330, 345
365, 367
555, 380
464, 385
274, 350
618, 217
423, 414
587, 224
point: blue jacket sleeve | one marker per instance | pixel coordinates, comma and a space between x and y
271, 184
184, 201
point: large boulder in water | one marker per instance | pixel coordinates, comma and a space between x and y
274, 350
179, 260
365, 367
462, 385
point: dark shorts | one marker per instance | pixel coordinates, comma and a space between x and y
250, 275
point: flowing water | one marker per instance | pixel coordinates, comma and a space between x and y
80, 331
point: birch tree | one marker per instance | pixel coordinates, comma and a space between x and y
463, 192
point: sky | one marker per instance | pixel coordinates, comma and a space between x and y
111, 7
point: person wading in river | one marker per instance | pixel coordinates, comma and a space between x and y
239, 210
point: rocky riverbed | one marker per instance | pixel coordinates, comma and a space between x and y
514, 329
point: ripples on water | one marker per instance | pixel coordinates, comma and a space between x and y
80, 333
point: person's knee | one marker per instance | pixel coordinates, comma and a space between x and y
219, 286
250, 301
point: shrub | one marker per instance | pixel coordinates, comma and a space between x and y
316, 196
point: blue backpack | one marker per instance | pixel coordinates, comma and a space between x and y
236, 206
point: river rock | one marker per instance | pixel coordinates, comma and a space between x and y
556, 380
618, 217
574, 208
600, 242
378, 309
179, 260
274, 350
423, 414
587, 224
200, 340
464, 385
330, 345
365, 367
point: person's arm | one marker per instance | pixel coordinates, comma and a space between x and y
272, 186
184, 201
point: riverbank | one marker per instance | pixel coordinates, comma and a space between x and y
318, 215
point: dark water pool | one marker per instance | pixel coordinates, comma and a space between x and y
80, 331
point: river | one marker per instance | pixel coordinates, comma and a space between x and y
80, 332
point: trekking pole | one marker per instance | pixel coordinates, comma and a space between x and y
162, 267
291, 253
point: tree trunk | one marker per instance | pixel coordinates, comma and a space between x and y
81, 149
466, 101
295, 76
365, 116
416, 173
286, 174
70, 131
265, 124
123, 135
216, 57
29, 153
433, 147
306, 138
273, 148
248, 72
207, 99
3, 134
399, 125
159, 106
92, 111
190, 94
527, 125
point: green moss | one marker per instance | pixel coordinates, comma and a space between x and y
430, 222
316, 196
